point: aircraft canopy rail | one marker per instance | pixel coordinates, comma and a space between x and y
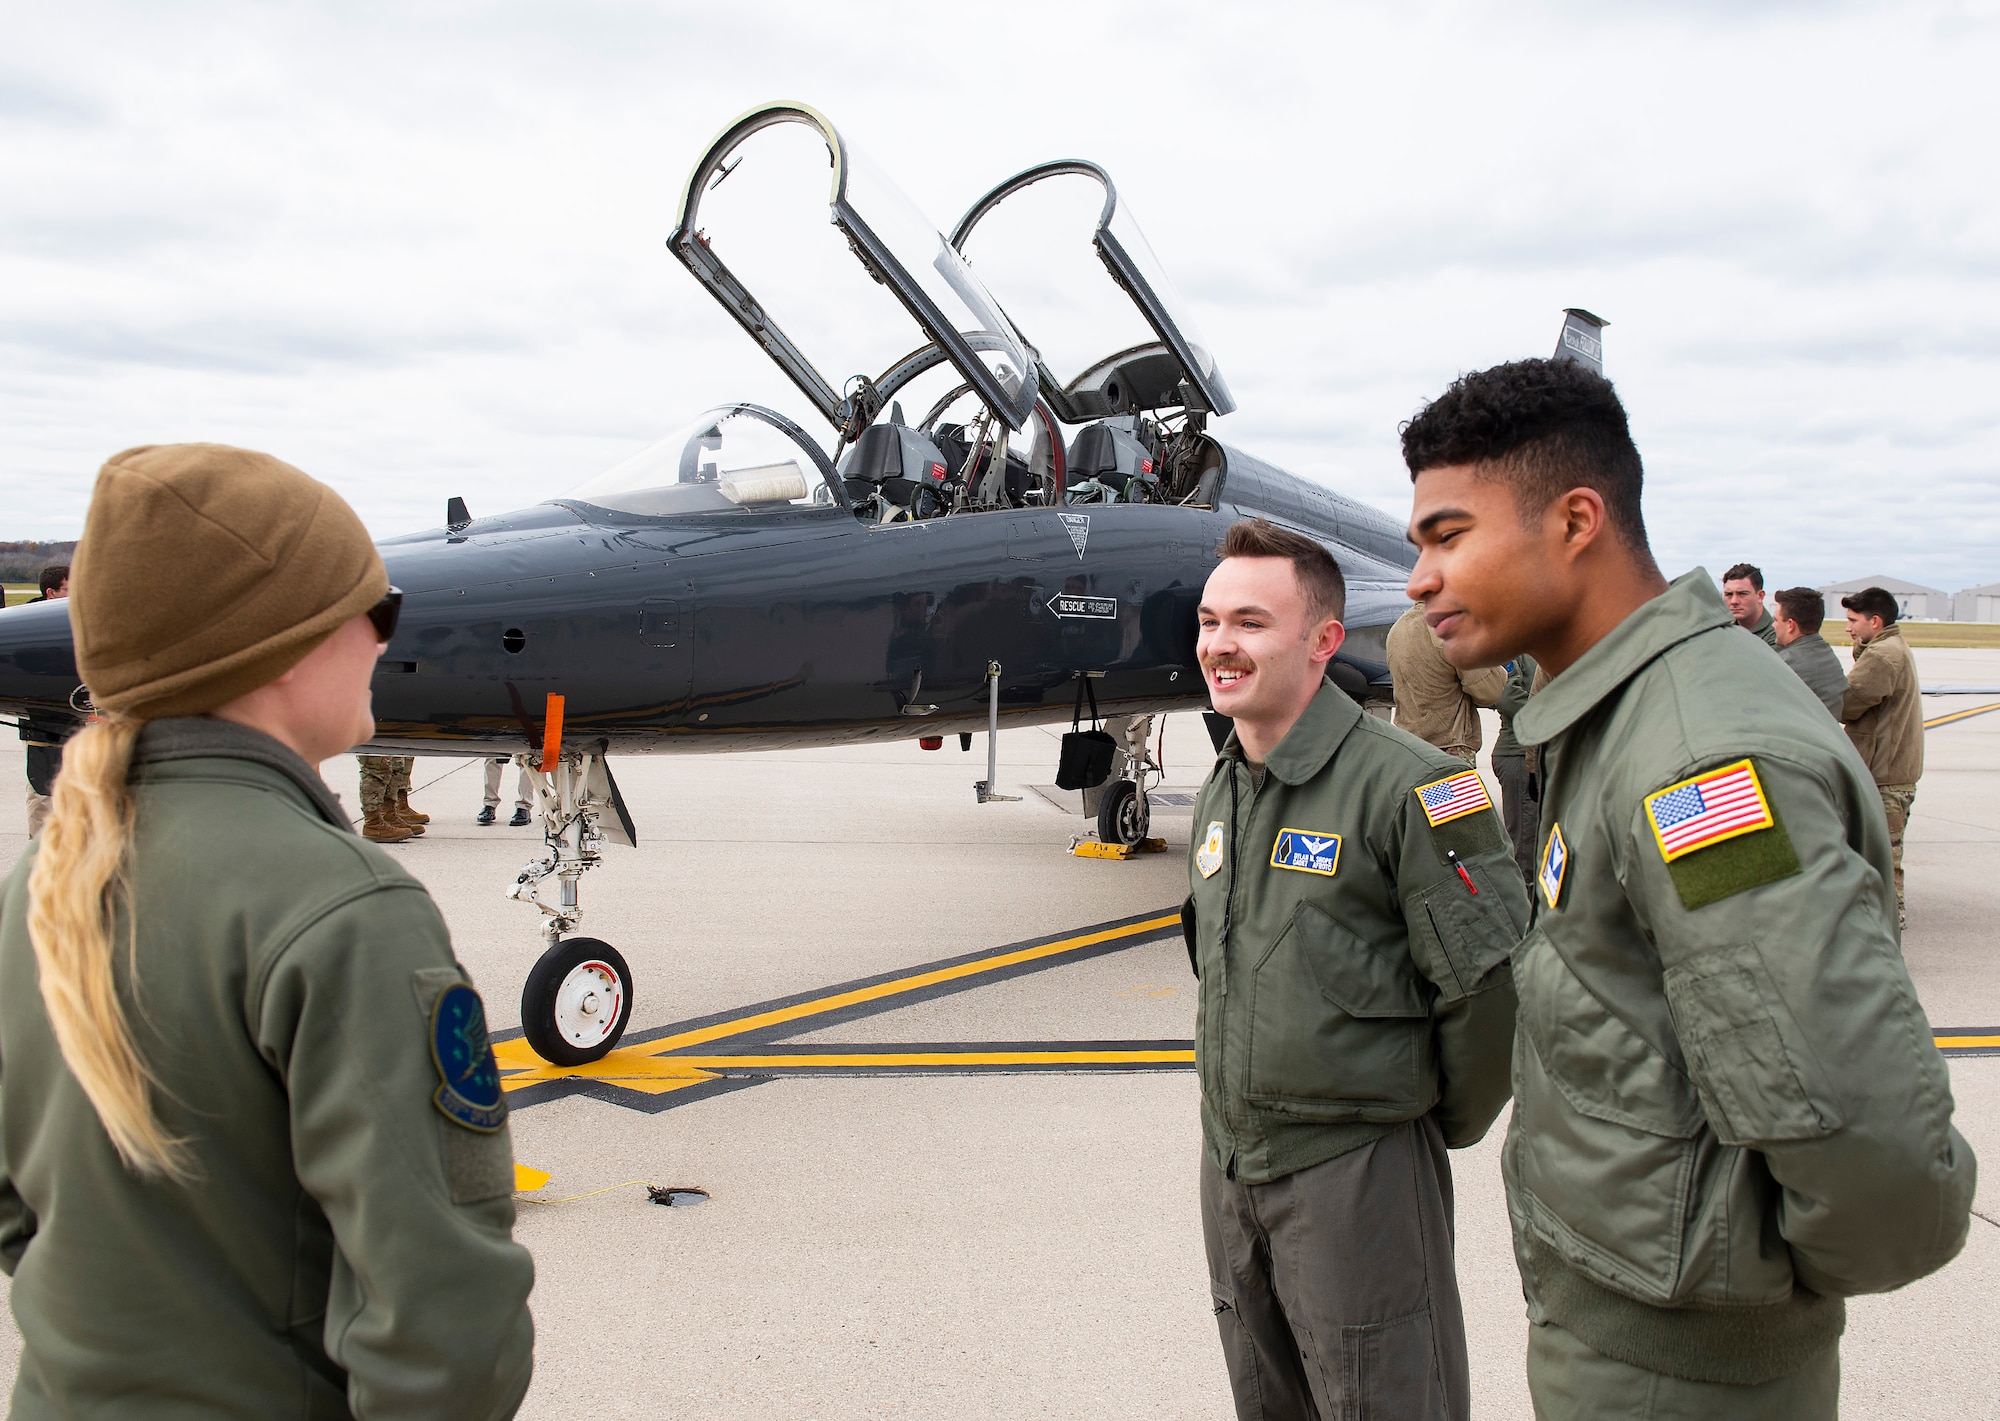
898, 246
731, 459
1178, 370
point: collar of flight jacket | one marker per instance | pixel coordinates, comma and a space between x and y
204, 737
1689, 607
1303, 750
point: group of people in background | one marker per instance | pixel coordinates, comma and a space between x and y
388, 818
1878, 699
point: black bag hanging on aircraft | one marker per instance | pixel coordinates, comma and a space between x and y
1085, 762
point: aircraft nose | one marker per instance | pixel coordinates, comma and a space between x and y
37, 660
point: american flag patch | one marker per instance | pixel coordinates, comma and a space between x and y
1708, 809
1445, 800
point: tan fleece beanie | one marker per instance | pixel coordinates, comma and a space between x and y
205, 572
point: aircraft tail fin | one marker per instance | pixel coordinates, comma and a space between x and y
1580, 340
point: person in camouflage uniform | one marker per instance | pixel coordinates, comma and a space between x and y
386, 815
1883, 711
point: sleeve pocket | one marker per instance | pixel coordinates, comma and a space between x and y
1733, 1029
1474, 935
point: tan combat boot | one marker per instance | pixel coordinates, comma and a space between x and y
379, 828
407, 814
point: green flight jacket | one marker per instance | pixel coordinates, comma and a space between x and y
345, 1248
1766, 629
1729, 1113
1366, 983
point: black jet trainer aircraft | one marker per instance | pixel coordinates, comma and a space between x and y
740, 586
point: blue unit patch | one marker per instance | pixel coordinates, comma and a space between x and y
1555, 865
469, 1089
1306, 851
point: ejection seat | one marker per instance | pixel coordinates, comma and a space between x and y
1108, 464
895, 471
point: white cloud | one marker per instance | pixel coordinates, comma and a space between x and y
420, 250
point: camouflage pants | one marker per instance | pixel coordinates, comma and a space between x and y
1896, 801
383, 777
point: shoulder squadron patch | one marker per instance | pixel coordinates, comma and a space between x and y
1708, 809
1208, 858
1453, 798
1306, 851
469, 1089
1555, 863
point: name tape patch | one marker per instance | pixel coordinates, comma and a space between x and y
1555, 863
1454, 798
1208, 858
1306, 851
1708, 809
468, 1092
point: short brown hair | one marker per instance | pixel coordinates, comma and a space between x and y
1873, 602
54, 576
1804, 606
1318, 574
1743, 572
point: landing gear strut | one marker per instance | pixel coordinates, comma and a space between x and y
578, 997
1124, 813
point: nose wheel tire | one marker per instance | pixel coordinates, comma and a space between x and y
576, 1002
1123, 814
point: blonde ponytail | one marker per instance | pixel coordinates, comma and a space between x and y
81, 873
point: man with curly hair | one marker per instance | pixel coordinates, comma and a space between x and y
1729, 1114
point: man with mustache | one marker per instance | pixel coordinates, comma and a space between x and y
1728, 1111
1353, 906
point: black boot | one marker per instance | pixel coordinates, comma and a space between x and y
521, 817
485, 815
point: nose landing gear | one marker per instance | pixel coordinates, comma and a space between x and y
578, 997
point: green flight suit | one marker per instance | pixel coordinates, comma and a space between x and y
346, 1246
1766, 629
1729, 1114
1354, 1017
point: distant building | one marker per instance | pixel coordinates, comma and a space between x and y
1977, 604
1913, 599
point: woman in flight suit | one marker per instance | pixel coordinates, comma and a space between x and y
253, 1154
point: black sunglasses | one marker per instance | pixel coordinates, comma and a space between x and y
385, 613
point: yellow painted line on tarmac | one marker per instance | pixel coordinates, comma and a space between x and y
1960, 715
865, 1060
1966, 1043
819, 1005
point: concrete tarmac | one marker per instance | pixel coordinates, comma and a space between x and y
1010, 1241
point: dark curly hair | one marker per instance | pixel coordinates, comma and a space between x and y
1545, 426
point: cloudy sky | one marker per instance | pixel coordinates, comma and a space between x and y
417, 249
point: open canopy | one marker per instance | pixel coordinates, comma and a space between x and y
1034, 246
896, 244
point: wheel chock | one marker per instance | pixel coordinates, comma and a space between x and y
1097, 849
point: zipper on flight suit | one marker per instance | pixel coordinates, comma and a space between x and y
1231, 849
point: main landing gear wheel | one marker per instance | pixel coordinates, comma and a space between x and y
577, 1001
1123, 814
